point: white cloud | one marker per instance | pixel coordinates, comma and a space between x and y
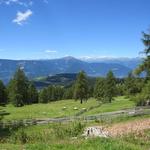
17, 2
50, 51
21, 17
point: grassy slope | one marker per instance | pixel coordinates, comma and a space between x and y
55, 109
58, 136
118, 104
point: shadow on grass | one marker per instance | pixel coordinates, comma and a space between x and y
5, 130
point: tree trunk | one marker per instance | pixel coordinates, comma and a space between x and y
81, 101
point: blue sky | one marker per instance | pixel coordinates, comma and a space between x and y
45, 29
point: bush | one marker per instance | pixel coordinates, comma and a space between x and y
142, 98
72, 130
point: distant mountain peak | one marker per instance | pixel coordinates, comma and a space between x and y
69, 64
69, 58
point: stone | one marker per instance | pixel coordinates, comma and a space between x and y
95, 131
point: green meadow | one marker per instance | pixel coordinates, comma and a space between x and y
64, 108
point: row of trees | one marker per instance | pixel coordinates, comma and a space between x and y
105, 88
20, 91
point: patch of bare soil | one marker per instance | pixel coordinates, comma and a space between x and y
136, 126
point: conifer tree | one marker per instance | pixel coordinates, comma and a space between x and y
81, 87
32, 94
145, 66
43, 96
110, 86
3, 93
18, 88
99, 90
132, 85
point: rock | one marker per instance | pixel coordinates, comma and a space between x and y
95, 132
75, 108
64, 108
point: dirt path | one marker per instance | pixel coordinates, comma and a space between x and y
128, 127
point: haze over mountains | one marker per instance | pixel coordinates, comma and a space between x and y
93, 67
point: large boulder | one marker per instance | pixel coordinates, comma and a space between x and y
95, 131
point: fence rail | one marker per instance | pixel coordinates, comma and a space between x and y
102, 116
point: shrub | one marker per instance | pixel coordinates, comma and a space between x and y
71, 130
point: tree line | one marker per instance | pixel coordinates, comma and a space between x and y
20, 91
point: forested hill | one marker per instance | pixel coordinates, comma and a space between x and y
64, 79
37, 68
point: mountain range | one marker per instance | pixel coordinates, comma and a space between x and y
93, 67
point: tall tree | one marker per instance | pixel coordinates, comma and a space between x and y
143, 98
68, 93
32, 94
3, 93
132, 85
99, 90
81, 87
145, 66
18, 88
43, 96
110, 86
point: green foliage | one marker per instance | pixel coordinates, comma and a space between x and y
105, 88
44, 137
18, 88
71, 130
145, 66
120, 89
81, 87
17, 100
110, 86
133, 85
3, 93
51, 93
68, 93
20, 137
99, 90
143, 98
32, 94
43, 96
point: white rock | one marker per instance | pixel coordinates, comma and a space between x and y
95, 132
75, 108
64, 108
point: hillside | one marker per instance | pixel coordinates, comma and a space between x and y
37, 68
63, 79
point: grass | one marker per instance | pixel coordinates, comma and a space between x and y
55, 109
118, 104
47, 137
91, 144
56, 136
